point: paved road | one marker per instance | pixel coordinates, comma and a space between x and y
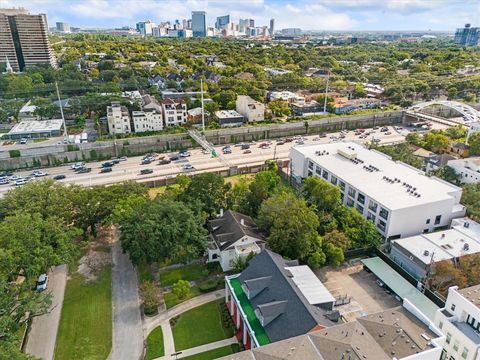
43, 333
127, 342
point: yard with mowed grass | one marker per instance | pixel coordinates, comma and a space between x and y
188, 272
199, 326
85, 330
171, 299
155, 347
214, 354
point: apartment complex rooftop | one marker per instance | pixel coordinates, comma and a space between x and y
227, 114
394, 184
462, 239
391, 334
27, 127
472, 294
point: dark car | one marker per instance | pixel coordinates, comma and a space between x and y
84, 170
115, 161
164, 162
174, 157
146, 161
59, 177
107, 164
105, 170
146, 171
245, 147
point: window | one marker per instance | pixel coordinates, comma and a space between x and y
351, 192
381, 225
452, 307
438, 218
333, 180
449, 338
373, 206
456, 344
361, 198
370, 216
465, 352
310, 165
342, 185
325, 174
310, 173
350, 202
360, 208
383, 213
428, 221
318, 170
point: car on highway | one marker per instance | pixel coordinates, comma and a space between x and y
115, 161
227, 150
388, 133
149, 157
3, 181
39, 173
123, 158
107, 164
184, 153
174, 157
42, 283
20, 182
188, 167
59, 177
77, 166
84, 170
164, 162
23, 141
384, 129
376, 141
15, 177
245, 147
146, 171
105, 170
146, 162
248, 151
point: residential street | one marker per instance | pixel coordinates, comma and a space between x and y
43, 333
127, 342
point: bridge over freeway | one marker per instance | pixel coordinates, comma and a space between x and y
470, 115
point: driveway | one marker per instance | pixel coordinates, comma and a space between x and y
127, 342
43, 331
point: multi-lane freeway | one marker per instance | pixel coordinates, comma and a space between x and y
201, 161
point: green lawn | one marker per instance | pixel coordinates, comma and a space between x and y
171, 299
188, 272
214, 354
201, 325
155, 347
85, 330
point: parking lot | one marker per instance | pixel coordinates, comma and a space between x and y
353, 282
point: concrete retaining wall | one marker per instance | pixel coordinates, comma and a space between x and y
57, 154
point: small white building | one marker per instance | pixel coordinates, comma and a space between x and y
233, 235
287, 96
118, 119
459, 321
252, 110
148, 120
418, 254
401, 200
468, 169
174, 112
27, 112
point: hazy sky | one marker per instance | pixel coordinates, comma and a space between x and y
307, 14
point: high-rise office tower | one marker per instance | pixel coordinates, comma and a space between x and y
199, 23
246, 23
145, 27
62, 27
24, 39
272, 26
222, 22
467, 36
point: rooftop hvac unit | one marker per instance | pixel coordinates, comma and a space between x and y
466, 224
426, 253
466, 247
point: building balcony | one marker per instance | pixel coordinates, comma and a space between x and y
244, 250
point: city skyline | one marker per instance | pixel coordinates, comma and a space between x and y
361, 15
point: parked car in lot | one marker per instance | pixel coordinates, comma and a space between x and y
146, 171
42, 282
84, 170
59, 177
164, 162
105, 170
185, 153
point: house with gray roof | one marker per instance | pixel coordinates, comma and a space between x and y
274, 299
233, 235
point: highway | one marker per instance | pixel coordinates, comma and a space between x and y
202, 162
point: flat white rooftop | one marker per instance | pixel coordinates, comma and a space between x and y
310, 286
377, 176
443, 245
27, 127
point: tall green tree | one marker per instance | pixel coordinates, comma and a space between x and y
325, 196
264, 185
474, 144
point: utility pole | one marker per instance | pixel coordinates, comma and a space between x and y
203, 112
326, 93
65, 134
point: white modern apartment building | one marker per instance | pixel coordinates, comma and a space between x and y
174, 112
252, 110
468, 169
459, 321
148, 120
118, 119
401, 200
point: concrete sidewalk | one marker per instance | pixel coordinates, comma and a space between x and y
199, 349
43, 333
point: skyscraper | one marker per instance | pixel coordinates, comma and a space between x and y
24, 39
145, 27
222, 22
272, 27
199, 23
63, 27
467, 36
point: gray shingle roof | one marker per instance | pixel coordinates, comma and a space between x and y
226, 230
299, 316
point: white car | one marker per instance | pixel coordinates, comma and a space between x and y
188, 167
39, 173
3, 181
42, 282
77, 166
20, 182
184, 153
15, 177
